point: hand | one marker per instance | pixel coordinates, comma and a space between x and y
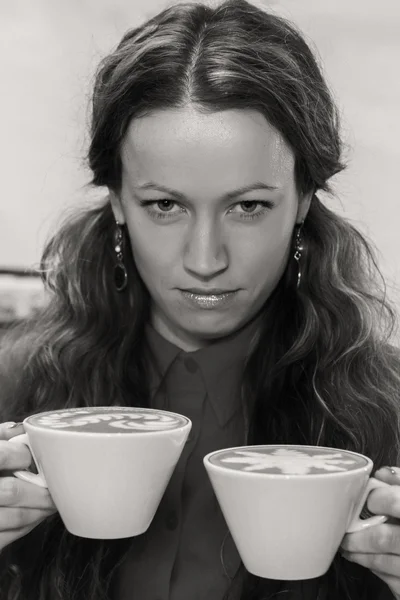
378, 548
22, 505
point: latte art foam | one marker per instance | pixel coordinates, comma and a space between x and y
288, 461
112, 420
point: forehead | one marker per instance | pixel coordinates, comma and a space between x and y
223, 146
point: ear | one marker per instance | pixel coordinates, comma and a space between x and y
304, 206
116, 206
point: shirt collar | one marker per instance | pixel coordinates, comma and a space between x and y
221, 364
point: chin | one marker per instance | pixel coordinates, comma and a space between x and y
212, 328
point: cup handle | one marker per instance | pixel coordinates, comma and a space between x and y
25, 475
357, 524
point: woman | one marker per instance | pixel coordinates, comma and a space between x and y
211, 281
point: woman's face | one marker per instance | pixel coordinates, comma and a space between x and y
209, 252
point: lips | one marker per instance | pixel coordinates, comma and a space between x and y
209, 299
207, 292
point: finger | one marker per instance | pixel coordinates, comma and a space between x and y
10, 429
383, 564
15, 492
380, 539
18, 518
388, 475
7, 537
385, 501
14, 456
392, 581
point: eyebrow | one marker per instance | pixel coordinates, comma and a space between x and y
257, 185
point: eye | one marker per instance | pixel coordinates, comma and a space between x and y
168, 209
165, 205
251, 209
249, 206
161, 209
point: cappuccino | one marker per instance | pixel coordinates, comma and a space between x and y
288, 460
109, 420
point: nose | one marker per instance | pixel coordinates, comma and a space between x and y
205, 253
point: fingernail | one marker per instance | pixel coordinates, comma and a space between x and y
393, 470
12, 425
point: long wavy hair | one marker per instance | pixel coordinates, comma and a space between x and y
324, 371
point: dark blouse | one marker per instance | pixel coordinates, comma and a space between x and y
188, 553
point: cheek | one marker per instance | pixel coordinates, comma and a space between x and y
262, 260
153, 255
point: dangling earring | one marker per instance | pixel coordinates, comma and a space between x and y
299, 247
120, 272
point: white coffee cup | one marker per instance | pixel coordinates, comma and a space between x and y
288, 506
106, 468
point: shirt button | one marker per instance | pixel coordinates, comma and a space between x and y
190, 365
172, 521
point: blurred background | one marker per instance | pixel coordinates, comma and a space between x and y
49, 52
